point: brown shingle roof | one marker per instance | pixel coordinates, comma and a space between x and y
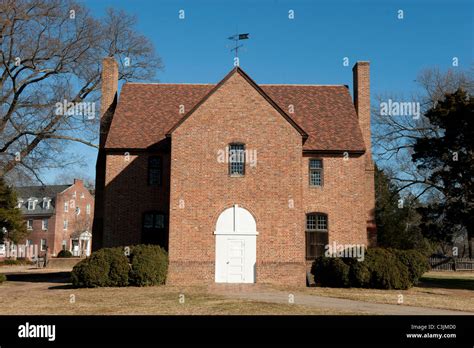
146, 112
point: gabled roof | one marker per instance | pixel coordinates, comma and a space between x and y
254, 85
39, 192
146, 113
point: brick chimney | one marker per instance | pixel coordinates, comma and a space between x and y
361, 76
361, 73
109, 84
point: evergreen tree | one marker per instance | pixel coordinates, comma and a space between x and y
396, 217
449, 158
11, 219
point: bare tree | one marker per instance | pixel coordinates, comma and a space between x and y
395, 135
50, 55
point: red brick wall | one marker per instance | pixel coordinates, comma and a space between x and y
128, 196
341, 197
236, 113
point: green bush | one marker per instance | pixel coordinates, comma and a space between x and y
386, 270
3, 278
16, 262
149, 265
416, 262
359, 273
331, 272
64, 253
105, 267
381, 269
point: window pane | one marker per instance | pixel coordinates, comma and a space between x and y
322, 222
311, 222
315, 177
148, 221
315, 164
154, 171
236, 159
159, 221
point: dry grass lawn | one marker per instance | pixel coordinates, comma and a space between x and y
444, 290
39, 297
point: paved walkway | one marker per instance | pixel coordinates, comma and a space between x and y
260, 293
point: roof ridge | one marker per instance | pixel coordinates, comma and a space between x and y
170, 83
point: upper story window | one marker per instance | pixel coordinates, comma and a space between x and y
236, 159
46, 203
44, 224
316, 234
154, 171
31, 204
20, 203
88, 209
65, 224
315, 172
29, 224
66, 207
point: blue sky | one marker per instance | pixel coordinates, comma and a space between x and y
306, 50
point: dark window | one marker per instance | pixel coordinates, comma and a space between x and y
154, 229
316, 235
236, 159
315, 172
154, 171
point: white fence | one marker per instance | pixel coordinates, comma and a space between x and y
451, 264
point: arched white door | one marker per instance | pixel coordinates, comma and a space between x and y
236, 246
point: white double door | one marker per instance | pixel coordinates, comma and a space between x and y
236, 246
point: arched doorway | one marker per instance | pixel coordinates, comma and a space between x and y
236, 246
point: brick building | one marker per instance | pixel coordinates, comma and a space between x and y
241, 182
58, 216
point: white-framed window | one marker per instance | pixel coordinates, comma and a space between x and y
315, 172
66, 207
20, 203
29, 242
46, 203
65, 223
44, 224
43, 245
31, 204
82, 195
29, 224
88, 209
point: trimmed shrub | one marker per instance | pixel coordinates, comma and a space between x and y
149, 265
105, 267
387, 272
64, 253
331, 272
416, 262
381, 269
16, 262
3, 278
359, 273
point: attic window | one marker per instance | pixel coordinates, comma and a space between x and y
236, 159
46, 203
20, 203
31, 204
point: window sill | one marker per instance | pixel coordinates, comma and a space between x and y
237, 175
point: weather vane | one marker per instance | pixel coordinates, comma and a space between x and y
236, 38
